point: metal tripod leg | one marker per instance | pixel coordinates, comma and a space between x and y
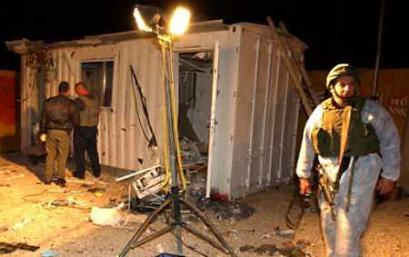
211, 227
204, 237
152, 236
133, 242
142, 229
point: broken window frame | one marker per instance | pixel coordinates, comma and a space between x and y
104, 90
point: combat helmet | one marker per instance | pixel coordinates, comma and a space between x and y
342, 69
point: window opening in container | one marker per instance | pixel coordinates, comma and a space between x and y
98, 76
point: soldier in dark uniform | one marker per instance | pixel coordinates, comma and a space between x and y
85, 134
58, 118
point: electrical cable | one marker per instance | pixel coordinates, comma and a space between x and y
175, 121
152, 140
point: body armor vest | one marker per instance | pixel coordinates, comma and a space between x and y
362, 139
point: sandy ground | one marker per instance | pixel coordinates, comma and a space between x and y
58, 219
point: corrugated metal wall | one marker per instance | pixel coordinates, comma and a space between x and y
121, 140
265, 119
256, 106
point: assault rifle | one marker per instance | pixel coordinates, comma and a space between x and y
328, 189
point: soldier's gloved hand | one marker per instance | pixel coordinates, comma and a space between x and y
385, 186
43, 137
305, 187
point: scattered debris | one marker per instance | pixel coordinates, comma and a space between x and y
96, 190
106, 216
147, 204
138, 173
148, 184
67, 202
269, 249
99, 194
19, 225
295, 248
58, 202
11, 247
295, 251
49, 253
190, 151
195, 166
237, 209
289, 233
273, 250
247, 248
197, 176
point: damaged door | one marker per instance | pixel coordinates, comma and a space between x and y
198, 89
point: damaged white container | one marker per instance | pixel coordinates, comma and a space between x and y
234, 94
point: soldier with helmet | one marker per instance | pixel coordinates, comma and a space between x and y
358, 150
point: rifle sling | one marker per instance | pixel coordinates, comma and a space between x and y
346, 120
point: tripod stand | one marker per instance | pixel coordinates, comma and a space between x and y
174, 164
176, 225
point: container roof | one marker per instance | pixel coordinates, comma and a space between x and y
24, 45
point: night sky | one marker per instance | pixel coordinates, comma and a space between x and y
335, 31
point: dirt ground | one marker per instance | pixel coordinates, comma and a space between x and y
58, 220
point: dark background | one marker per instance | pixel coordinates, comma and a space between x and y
335, 31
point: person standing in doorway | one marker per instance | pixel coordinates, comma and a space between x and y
358, 149
85, 134
58, 118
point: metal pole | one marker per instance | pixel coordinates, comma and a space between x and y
378, 49
169, 98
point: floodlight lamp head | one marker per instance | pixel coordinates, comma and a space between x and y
179, 21
147, 17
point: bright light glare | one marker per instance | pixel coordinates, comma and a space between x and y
179, 21
140, 22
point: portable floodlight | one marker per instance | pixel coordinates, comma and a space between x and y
150, 19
